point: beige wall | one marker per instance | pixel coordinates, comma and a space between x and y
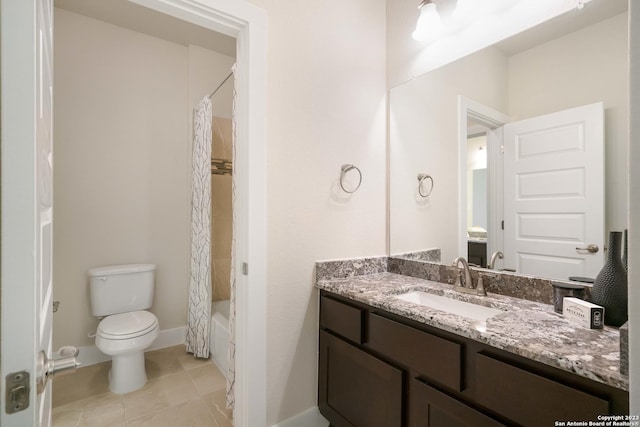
207, 70
423, 132
326, 106
122, 154
581, 68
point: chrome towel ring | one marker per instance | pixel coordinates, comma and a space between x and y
343, 172
422, 177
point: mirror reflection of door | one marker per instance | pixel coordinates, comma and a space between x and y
477, 196
554, 193
535, 191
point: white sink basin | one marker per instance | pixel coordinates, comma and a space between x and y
450, 305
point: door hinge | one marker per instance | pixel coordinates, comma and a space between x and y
245, 268
502, 224
17, 395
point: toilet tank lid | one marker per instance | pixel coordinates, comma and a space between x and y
121, 269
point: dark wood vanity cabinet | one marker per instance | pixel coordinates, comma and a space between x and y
429, 407
357, 389
380, 369
477, 253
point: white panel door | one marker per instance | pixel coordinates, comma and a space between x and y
554, 193
27, 198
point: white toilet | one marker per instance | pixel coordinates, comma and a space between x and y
119, 296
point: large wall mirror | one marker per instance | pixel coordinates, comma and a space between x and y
524, 145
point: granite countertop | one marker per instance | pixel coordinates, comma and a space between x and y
526, 328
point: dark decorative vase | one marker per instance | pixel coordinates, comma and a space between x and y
625, 249
610, 287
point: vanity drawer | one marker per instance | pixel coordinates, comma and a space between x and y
429, 407
436, 358
341, 318
519, 395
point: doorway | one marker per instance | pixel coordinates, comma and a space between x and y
234, 20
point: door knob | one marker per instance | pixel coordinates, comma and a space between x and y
592, 249
66, 363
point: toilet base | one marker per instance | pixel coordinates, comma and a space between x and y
127, 373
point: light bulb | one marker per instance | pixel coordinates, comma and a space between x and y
429, 25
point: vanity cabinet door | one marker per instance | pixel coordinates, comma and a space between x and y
355, 388
532, 400
429, 407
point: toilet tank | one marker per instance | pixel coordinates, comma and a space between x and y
121, 288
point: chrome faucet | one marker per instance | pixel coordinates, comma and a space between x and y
496, 255
465, 283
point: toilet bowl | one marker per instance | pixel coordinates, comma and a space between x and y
120, 295
124, 337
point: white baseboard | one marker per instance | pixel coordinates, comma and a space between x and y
309, 418
90, 355
169, 337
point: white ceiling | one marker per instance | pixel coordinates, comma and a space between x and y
128, 15
592, 12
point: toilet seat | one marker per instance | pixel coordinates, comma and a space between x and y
125, 326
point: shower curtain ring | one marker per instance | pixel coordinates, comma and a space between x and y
343, 172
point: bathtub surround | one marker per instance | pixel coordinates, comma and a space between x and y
221, 212
219, 341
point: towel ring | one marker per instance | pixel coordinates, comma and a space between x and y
422, 177
343, 172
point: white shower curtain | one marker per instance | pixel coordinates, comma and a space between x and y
199, 304
231, 356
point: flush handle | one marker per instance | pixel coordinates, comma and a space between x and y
66, 363
592, 249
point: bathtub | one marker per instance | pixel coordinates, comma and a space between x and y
219, 339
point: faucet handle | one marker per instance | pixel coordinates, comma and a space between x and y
458, 279
480, 286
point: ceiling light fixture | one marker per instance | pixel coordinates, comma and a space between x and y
429, 25
465, 12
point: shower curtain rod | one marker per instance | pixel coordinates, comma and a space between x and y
220, 85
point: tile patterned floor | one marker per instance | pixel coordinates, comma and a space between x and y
181, 391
